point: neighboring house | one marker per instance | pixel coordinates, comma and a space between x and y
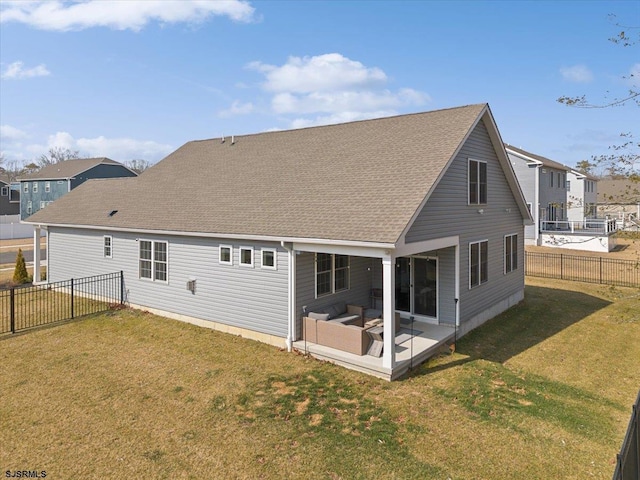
620, 200
40, 189
9, 198
543, 182
562, 202
582, 196
10, 226
423, 209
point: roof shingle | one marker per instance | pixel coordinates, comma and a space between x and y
359, 181
68, 169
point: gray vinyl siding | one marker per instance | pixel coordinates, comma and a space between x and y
448, 213
527, 178
8, 207
556, 195
360, 272
244, 297
446, 286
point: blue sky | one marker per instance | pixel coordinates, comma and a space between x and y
137, 79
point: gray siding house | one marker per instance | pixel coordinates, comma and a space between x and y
562, 202
582, 196
417, 215
40, 189
9, 198
544, 184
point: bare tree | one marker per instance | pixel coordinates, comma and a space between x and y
138, 165
623, 159
56, 155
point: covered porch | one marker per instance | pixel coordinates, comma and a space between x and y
412, 288
410, 350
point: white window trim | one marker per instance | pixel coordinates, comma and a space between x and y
104, 239
34, 188
29, 206
43, 204
469, 160
25, 188
47, 187
222, 262
275, 258
241, 263
504, 253
153, 252
480, 282
333, 275
5, 191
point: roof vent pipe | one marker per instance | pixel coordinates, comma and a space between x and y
233, 140
222, 141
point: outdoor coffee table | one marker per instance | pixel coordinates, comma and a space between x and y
375, 333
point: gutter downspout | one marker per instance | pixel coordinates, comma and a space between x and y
291, 298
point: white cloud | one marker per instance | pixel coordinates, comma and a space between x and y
334, 88
7, 132
16, 70
120, 15
237, 108
116, 148
577, 73
319, 74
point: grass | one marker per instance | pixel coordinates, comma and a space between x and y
543, 391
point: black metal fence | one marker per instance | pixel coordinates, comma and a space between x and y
32, 306
628, 461
609, 271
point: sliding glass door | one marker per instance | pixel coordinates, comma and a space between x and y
416, 286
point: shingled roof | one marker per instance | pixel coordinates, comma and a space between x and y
68, 169
360, 181
547, 162
623, 192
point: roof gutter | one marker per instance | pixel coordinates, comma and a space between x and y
269, 238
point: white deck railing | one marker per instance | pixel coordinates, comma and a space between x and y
591, 226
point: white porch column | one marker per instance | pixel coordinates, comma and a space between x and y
388, 314
36, 254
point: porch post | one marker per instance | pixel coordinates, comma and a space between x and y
36, 254
388, 306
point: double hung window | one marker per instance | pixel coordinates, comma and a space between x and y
154, 260
477, 182
478, 263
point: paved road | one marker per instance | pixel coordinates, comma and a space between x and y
10, 257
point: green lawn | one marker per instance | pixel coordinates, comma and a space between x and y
544, 391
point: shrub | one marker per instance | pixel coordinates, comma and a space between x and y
20, 274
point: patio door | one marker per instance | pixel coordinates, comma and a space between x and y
417, 286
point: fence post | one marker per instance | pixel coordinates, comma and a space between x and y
72, 298
121, 287
600, 270
561, 266
12, 304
